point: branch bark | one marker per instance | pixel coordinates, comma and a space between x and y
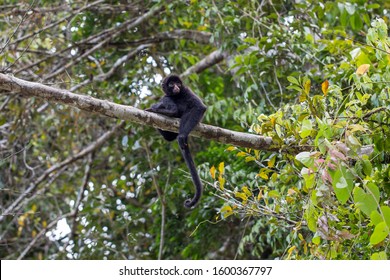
87, 103
200, 37
213, 58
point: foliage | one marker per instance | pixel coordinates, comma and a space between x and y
313, 75
339, 188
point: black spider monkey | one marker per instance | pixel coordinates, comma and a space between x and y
180, 102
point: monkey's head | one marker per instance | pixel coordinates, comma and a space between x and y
172, 85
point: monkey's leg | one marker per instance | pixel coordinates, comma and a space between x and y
187, 123
168, 135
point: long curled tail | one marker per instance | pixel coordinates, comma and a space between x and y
189, 203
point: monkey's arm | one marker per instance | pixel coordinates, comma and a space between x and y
165, 107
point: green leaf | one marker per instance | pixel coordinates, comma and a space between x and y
316, 240
309, 177
362, 59
324, 130
379, 256
380, 232
305, 158
350, 8
293, 80
373, 190
366, 202
386, 214
383, 216
294, 87
344, 18
342, 181
306, 128
367, 167
375, 217
356, 22
274, 194
311, 217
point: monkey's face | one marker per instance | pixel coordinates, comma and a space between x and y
174, 87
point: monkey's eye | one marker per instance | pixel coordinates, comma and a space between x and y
171, 84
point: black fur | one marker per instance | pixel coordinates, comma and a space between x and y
180, 102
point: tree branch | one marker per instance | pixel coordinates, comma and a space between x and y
113, 110
116, 65
117, 31
29, 35
200, 37
213, 58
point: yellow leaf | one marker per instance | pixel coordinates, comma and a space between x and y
226, 208
221, 168
250, 158
226, 211
221, 181
362, 69
231, 148
307, 86
274, 194
290, 251
256, 128
241, 154
246, 191
260, 195
302, 97
271, 162
187, 24
263, 173
21, 220
274, 176
291, 192
273, 121
20, 230
212, 172
34, 208
324, 87
241, 195
356, 127
289, 199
